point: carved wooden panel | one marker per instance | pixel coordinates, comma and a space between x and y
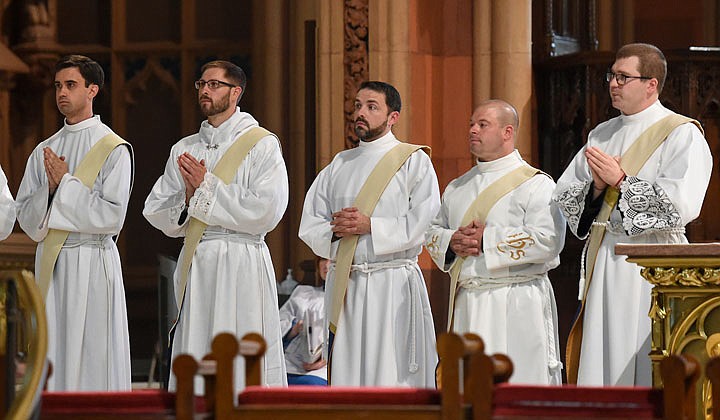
355, 60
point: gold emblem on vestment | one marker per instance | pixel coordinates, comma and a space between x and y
515, 245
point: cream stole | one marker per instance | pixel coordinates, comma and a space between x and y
631, 162
365, 202
87, 171
225, 170
479, 210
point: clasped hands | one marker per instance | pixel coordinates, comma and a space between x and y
349, 221
467, 240
192, 172
605, 169
55, 168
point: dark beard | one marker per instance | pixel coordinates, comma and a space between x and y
370, 133
214, 108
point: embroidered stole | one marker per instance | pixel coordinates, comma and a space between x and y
631, 162
87, 171
365, 202
479, 210
225, 170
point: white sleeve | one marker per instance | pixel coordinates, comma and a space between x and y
254, 205
97, 210
315, 229
536, 238
7, 208
33, 198
437, 238
166, 201
406, 231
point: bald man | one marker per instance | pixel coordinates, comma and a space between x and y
498, 234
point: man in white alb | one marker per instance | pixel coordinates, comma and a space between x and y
650, 198
7, 208
230, 179
80, 272
499, 234
378, 311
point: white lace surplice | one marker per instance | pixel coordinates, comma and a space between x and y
654, 207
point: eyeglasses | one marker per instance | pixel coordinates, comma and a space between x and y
621, 78
212, 84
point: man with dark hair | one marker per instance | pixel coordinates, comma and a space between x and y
367, 212
640, 179
392, 96
224, 189
498, 235
233, 73
72, 200
89, 69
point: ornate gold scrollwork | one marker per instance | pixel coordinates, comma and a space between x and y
671, 276
657, 311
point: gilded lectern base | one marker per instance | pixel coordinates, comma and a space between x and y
685, 306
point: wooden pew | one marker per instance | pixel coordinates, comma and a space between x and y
135, 405
676, 401
301, 402
156, 404
486, 396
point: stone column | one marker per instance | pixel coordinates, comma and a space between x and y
390, 54
482, 50
270, 81
330, 73
512, 63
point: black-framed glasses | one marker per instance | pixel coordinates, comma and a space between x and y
212, 84
621, 79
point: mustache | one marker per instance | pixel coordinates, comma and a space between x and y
361, 120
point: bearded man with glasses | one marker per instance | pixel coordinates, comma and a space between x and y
224, 189
640, 178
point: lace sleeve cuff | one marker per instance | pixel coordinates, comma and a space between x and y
572, 203
202, 201
646, 207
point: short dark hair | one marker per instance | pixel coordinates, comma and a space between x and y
652, 61
392, 96
233, 72
89, 69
